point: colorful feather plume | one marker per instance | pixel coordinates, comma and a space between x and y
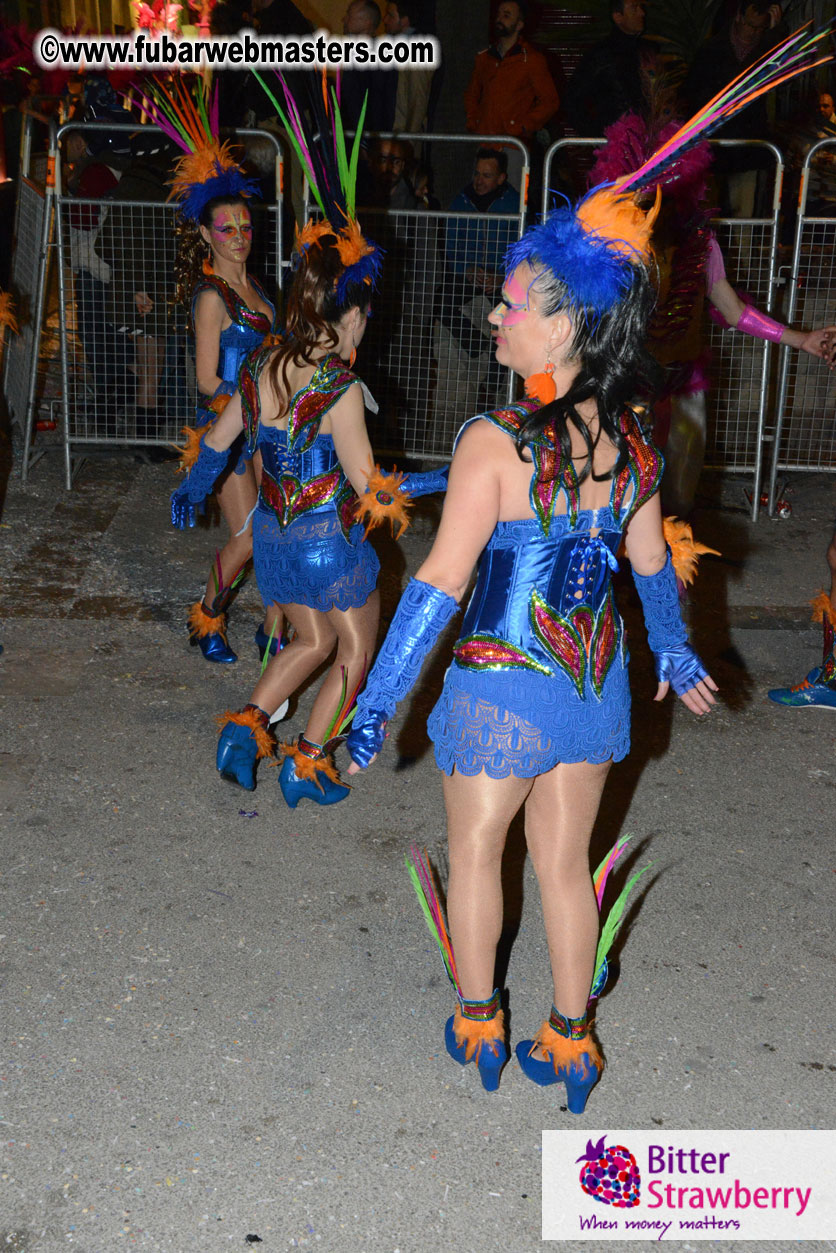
347, 706
685, 550
315, 131
612, 922
423, 880
207, 169
797, 54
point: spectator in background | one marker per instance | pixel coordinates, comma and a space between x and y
378, 87
477, 240
821, 191
608, 80
511, 91
412, 98
382, 183
754, 29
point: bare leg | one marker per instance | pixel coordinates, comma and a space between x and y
559, 817
831, 561
479, 811
684, 453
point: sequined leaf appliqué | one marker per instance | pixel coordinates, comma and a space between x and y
484, 652
580, 642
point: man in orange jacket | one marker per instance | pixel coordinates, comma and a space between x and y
511, 90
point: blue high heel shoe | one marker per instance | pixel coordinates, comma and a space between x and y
571, 1058
208, 631
482, 1041
263, 642
308, 774
243, 740
215, 648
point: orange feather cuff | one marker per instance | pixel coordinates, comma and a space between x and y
685, 550
382, 501
191, 452
202, 624
562, 1052
823, 608
309, 767
249, 718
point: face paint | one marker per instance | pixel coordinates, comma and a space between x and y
513, 306
231, 230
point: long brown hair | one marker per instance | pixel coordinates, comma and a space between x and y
313, 310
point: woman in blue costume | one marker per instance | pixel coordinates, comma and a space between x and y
536, 704
304, 412
231, 315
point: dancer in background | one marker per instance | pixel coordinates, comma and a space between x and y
303, 409
819, 688
231, 315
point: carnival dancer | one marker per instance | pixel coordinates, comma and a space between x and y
690, 269
304, 410
231, 315
535, 705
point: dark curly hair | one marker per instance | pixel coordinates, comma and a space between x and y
313, 309
615, 367
193, 250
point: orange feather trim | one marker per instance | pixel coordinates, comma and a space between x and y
579, 1054
198, 167
473, 1035
384, 501
618, 221
351, 245
309, 767
7, 312
249, 718
311, 233
685, 550
823, 608
202, 624
220, 402
190, 454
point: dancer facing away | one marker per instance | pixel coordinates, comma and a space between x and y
535, 706
304, 411
819, 688
231, 315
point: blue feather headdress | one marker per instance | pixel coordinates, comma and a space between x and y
207, 169
318, 139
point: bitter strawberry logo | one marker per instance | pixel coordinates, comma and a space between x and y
610, 1175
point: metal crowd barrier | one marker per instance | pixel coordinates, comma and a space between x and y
427, 355
109, 379
805, 428
30, 263
738, 400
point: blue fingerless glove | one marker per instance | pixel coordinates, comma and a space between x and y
427, 483
667, 635
421, 616
187, 499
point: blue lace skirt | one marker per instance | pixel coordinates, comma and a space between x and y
310, 563
523, 724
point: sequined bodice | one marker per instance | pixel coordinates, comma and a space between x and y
247, 329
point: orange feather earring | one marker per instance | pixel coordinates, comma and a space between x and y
542, 386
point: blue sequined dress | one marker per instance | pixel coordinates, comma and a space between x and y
539, 674
307, 547
245, 333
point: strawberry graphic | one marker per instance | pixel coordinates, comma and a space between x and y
610, 1175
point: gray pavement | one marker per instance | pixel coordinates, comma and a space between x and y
223, 1019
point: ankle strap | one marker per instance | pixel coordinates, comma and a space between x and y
481, 1011
308, 748
569, 1028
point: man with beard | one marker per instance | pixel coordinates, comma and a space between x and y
511, 91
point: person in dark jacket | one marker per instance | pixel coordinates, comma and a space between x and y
608, 81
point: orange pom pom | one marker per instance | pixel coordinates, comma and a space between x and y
541, 386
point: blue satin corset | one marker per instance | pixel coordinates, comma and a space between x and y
567, 571
236, 342
319, 459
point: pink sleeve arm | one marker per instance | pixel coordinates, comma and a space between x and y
715, 268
